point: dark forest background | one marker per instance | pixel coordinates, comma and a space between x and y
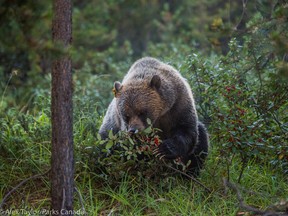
109, 34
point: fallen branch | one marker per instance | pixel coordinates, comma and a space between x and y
81, 201
19, 185
246, 207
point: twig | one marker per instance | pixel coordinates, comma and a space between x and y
243, 166
81, 201
20, 184
189, 176
111, 212
244, 7
11, 75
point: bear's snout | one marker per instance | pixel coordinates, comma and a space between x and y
133, 130
135, 125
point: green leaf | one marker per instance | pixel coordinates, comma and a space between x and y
109, 144
148, 130
130, 140
149, 121
110, 135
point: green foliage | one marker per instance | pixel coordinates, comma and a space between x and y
18, 131
241, 111
124, 154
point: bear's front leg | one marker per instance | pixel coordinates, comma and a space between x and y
180, 145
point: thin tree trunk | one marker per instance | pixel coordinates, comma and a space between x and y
62, 162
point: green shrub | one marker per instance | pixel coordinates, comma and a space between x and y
247, 115
123, 153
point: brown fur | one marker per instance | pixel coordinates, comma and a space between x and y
154, 90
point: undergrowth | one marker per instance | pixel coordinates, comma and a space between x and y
125, 193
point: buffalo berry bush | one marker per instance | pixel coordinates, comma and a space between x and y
135, 154
244, 103
124, 153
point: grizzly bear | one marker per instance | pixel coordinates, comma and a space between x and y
152, 89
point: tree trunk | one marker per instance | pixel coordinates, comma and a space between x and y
62, 162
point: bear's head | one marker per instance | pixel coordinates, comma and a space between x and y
138, 101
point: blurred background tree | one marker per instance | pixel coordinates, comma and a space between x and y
107, 32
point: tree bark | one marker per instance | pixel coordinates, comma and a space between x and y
62, 161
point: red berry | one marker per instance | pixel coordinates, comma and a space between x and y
156, 141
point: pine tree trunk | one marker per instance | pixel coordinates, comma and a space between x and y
62, 162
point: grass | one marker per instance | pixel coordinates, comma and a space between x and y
134, 195
177, 196
26, 152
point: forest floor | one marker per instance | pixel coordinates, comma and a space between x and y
261, 190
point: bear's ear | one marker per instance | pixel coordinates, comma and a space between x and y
155, 82
117, 88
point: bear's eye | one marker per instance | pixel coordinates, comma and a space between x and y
142, 114
126, 117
